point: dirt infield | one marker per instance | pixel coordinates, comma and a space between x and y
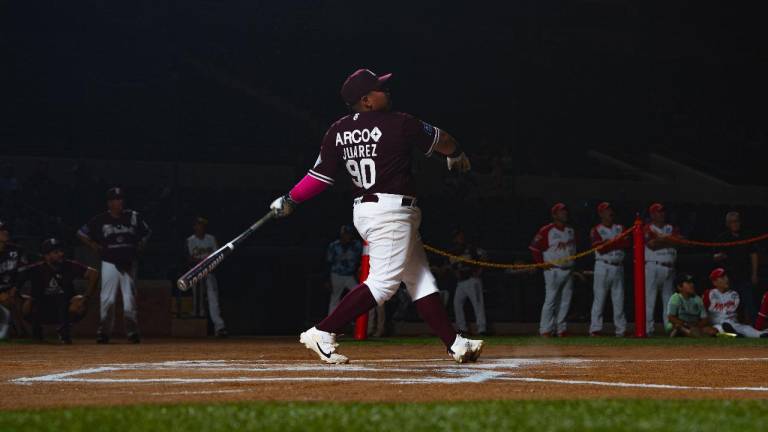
165, 371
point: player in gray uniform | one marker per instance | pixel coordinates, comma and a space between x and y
117, 236
374, 145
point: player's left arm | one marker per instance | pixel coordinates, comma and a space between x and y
456, 158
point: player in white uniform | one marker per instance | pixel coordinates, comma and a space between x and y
552, 242
660, 259
199, 246
609, 271
722, 305
374, 145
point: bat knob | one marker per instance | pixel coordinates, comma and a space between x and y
182, 284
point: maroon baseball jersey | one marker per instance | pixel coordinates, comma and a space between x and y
118, 237
47, 280
374, 148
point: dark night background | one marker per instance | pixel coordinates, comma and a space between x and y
253, 80
538, 83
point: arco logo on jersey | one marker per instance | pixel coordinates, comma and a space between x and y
358, 136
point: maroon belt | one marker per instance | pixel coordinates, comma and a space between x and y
407, 202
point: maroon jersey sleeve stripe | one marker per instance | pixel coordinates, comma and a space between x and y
434, 141
320, 177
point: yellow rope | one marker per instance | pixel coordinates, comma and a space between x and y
526, 266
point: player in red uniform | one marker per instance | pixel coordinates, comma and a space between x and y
374, 145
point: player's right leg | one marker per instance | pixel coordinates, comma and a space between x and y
547, 321
651, 291
110, 278
617, 298
599, 290
130, 311
667, 284
747, 331
478, 304
214, 311
459, 297
566, 292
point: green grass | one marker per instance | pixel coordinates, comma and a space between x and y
574, 340
571, 416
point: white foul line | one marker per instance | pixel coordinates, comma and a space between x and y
630, 385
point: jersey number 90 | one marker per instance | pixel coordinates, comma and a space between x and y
363, 173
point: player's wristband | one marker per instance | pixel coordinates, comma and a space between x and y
457, 152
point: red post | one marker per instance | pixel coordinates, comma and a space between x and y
639, 253
361, 323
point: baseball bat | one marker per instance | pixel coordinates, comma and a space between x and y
206, 266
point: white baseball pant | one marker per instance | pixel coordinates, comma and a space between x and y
472, 289
339, 283
657, 277
742, 329
395, 248
558, 284
111, 279
608, 278
211, 285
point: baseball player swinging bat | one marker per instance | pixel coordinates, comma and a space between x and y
206, 266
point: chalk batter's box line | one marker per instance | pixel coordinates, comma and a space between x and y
474, 373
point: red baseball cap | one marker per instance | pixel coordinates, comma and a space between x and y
557, 207
656, 208
603, 206
360, 83
716, 274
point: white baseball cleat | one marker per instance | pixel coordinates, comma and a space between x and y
465, 350
324, 344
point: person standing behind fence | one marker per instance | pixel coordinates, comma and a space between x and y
609, 271
741, 262
343, 256
555, 241
469, 285
199, 246
660, 259
117, 236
